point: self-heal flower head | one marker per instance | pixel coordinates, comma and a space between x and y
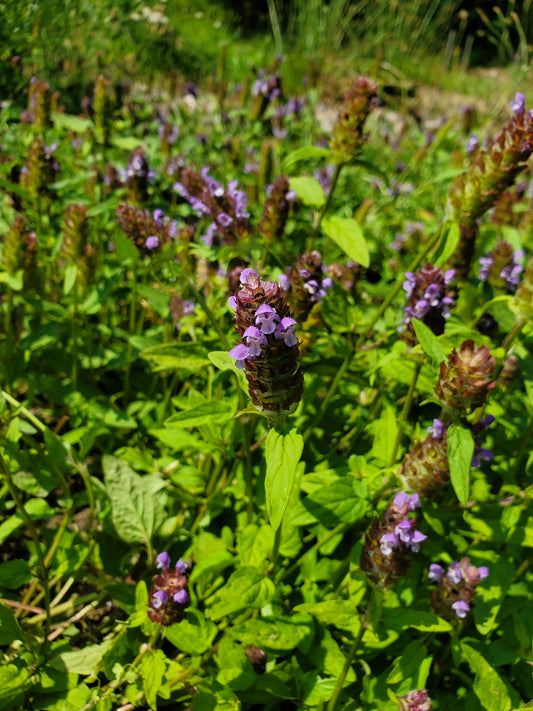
502, 268
168, 595
268, 351
391, 541
415, 700
429, 299
456, 588
306, 283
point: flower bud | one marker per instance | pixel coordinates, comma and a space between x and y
416, 700
276, 210
20, 252
425, 467
465, 381
306, 283
347, 137
430, 299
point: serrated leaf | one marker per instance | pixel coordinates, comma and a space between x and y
282, 454
246, 588
83, 661
135, 512
308, 190
153, 668
429, 342
194, 635
348, 235
460, 447
488, 686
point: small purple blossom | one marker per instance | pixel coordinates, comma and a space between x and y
387, 543
159, 598
436, 572
285, 331
266, 318
181, 597
436, 430
152, 242
163, 561
461, 608
454, 573
181, 567
518, 104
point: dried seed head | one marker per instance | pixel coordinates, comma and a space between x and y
347, 137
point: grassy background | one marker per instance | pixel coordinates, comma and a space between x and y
433, 42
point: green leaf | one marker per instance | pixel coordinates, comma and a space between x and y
344, 500
385, 430
429, 342
282, 453
14, 574
71, 274
83, 661
213, 412
71, 123
176, 356
304, 153
222, 361
408, 663
308, 190
488, 686
9, 627
348, 235
448, 245
127, 143
135, 512
194, 635
400, 619
460, 446
153, 668
12, 684
14, 281
276, 635
340, 613
246, 588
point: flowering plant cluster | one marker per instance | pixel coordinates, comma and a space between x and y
158, 320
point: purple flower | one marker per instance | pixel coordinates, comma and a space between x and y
483, 572
461, 608
246, 273
387, 543
266, 318
181, 597
159, 599
181, 567
255, 339
436, 572
285, 331
432, 294
416, 539
436, 429
472, 143
409, 283
454, 573
518, 104
163, 561
152, 242
240, 353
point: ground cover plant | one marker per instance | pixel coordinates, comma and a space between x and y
265, 407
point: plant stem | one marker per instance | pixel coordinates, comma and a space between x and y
131, 331
327, 203
405, 411
30, 527
351, 655
274, 22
